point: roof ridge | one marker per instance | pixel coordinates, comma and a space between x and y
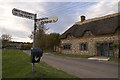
97, 18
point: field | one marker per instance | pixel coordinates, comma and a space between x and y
16, 64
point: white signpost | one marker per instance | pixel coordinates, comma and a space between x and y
40, 21
23, 14
46, 20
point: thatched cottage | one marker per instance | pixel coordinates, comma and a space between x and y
97, 36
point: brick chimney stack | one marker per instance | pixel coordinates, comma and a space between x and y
82, 18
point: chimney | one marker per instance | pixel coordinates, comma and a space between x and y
82, 18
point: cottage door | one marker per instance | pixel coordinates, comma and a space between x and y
102, 49
102, 53
111, 51
98, 49
105, 49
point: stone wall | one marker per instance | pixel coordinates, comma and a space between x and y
91, 43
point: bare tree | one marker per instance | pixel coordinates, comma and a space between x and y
41, 29
6, 37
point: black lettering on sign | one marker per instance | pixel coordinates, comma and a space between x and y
54, 21
21, 15
14, 13
29, 17
50, 21
45, 21
23, 12
30, 13
42, 22
16, 10
25, 16
42, 19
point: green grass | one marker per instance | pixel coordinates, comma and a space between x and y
47, 51
73, 55
16, 64
114, 59
84, 56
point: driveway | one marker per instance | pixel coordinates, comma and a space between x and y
82, 68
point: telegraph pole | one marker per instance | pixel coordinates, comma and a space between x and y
34, 40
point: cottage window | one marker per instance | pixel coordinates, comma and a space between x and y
66, 46
83, 46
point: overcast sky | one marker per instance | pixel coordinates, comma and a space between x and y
67, 12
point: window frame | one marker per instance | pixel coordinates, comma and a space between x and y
66, 46
69, 36
82, 46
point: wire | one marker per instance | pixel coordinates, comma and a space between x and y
72, 12
66, 10
60, 9
54, 9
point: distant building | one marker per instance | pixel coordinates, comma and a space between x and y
18, 45
97, 36
14, 45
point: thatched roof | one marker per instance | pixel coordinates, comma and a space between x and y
98, 26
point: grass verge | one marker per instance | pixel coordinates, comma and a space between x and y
114, 59
73, 55
16, 64
84, 56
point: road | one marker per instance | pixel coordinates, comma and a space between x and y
82, 68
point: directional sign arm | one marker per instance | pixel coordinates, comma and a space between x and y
47, 20
23, 14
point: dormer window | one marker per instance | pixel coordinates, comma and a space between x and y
69, 36
87, 33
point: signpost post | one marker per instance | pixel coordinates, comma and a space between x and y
36, 53
34, 40
27, 15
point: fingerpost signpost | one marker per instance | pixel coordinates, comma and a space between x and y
47, 20
36, 53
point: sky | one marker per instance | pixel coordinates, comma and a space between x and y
68, 12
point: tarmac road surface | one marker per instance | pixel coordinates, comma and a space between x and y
82, 68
